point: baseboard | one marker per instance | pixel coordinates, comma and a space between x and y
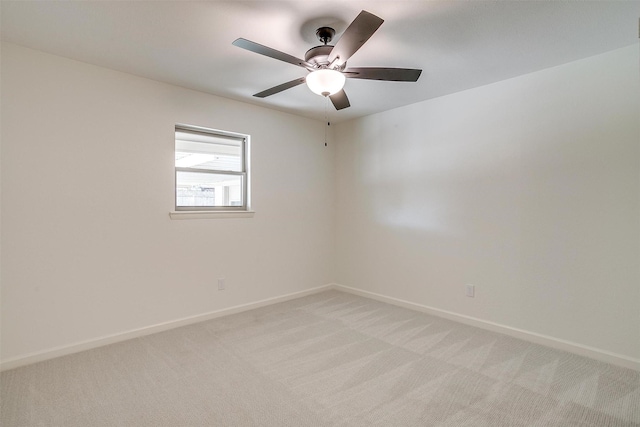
40, 356
560, 344
591, 352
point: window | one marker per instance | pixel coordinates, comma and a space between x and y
211, 170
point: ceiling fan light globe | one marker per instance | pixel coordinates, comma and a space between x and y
325, 82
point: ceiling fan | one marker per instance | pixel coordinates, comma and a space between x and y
327, 65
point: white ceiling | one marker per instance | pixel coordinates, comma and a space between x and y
458, 44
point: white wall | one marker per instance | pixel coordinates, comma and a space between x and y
528, 188
78, 267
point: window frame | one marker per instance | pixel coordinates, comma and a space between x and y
243, 173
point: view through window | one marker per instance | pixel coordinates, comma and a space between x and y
210, 169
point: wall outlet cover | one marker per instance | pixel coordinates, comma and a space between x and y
470, 290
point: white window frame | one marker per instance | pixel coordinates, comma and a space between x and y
183, 212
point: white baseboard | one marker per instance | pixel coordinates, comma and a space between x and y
560, 344
557, 343
51, 353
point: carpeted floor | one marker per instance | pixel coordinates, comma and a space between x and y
330, 359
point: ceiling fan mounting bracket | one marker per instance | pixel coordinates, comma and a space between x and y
325, 34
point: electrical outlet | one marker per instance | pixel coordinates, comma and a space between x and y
221, 284
470, 290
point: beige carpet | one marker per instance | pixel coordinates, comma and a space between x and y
331, 359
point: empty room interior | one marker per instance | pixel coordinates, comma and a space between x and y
260, 213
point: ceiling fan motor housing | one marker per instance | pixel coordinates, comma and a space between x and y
318, 56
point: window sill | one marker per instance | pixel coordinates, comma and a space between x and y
210, 214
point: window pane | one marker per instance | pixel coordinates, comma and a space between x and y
206, 151
208, 189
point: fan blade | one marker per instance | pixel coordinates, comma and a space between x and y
355, 36
388, 74
340, 100
271, 53
280, 88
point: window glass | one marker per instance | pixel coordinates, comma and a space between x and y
204, 189
210, 169
208, 152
